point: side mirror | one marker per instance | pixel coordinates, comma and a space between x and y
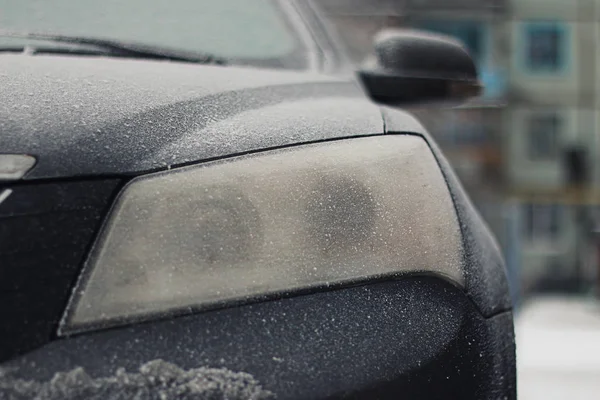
411, 67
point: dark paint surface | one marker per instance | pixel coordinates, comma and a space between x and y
45, 232
94, 115
419, 337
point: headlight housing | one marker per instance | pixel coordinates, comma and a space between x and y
270, 223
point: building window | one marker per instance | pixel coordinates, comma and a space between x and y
470, 33
542, 221
543, 136
545, 47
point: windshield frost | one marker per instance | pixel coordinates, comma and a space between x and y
254, 32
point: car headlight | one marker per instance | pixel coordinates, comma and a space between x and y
270, 223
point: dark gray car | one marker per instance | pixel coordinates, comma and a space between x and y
201, 200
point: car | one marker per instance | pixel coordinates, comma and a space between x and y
203, 200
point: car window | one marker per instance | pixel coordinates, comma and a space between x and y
254, 31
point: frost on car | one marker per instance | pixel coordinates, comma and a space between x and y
211, 183
155, 380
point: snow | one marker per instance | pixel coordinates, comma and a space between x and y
155, 380
558, 349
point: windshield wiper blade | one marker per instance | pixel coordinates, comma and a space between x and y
120, 48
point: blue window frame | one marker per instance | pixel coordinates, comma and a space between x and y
545, 47
473, 34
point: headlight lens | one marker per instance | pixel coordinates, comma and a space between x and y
269, 223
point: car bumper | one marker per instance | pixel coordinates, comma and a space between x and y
416, 337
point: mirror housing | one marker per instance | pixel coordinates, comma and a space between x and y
412, 67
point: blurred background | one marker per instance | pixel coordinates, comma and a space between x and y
527, 152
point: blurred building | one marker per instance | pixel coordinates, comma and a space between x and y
551, 143
528, 149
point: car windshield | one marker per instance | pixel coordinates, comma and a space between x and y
256, 32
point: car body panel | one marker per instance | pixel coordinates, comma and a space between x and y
97, 116
95, 122
46, 229
398, 336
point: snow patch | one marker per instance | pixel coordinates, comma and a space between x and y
156, 380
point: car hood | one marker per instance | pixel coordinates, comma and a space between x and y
84, 116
